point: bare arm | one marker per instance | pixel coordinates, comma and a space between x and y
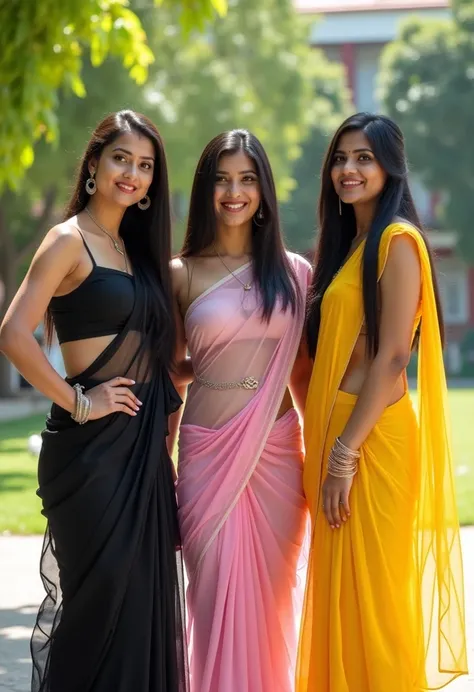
55, 259
300, 377
183, 373
400, 287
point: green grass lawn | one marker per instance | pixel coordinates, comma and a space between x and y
20, 507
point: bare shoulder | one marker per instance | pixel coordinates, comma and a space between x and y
179, 272
403, 258
63, 237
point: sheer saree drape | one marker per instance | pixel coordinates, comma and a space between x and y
242, 510
111, 565
384, 598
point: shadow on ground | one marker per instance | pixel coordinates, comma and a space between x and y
15, 663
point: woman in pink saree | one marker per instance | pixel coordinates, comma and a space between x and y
242, 510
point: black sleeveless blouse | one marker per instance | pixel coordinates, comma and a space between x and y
99, 306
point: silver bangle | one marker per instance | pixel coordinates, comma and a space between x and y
83, 406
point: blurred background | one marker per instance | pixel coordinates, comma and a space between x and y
290, 71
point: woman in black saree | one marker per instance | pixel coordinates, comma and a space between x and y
111, 564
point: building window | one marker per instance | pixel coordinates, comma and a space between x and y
453, 286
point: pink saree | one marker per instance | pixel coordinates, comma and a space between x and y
242, 508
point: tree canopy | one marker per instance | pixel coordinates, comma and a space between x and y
43, 47
427, 85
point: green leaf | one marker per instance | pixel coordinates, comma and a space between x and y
78, 87
27, 156
220, 7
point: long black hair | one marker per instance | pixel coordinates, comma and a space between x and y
272, 270
337, 231
146, 234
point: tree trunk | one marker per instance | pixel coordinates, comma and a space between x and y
8, 278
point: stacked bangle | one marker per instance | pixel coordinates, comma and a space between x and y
83, 406
342, 462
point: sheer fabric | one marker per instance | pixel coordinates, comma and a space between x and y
113, 616
384, 606
241, 506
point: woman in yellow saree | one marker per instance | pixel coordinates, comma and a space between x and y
384, 605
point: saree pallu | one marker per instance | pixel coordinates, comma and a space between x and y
384, 598
241, 505
111, 565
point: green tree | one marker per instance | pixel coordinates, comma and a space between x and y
42, 51
427, 85
333, 105
253, 69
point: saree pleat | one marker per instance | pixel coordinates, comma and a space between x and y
241, 506
113, 616
384, 605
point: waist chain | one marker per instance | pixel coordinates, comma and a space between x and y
244, 383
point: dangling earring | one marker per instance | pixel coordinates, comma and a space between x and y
340, 207
144, 203
91, 185
259, 216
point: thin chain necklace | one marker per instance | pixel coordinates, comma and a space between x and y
120, 250
246, 286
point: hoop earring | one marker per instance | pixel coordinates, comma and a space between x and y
144, 203
91, 185
259, 216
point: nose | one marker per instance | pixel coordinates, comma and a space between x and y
234, 188
131, 171
349, 166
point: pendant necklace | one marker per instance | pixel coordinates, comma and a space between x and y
120, 250
245, 286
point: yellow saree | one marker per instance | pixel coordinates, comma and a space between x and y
384, 604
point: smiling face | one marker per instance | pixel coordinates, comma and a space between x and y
356, 174
124, 171
237, 190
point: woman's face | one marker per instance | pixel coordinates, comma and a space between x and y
124, 171
356, 174
237, 189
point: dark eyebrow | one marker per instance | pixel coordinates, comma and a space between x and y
240, 172
356, 151
125, 151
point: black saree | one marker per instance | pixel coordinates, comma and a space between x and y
113, 617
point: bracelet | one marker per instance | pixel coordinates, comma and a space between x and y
83, 406
342, 462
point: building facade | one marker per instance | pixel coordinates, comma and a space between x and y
355, 32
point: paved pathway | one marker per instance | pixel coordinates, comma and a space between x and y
21, 591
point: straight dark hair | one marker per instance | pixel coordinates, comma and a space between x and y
146, 234
272, 270
337, 231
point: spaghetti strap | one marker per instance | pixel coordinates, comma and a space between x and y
190, 276
86, 246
